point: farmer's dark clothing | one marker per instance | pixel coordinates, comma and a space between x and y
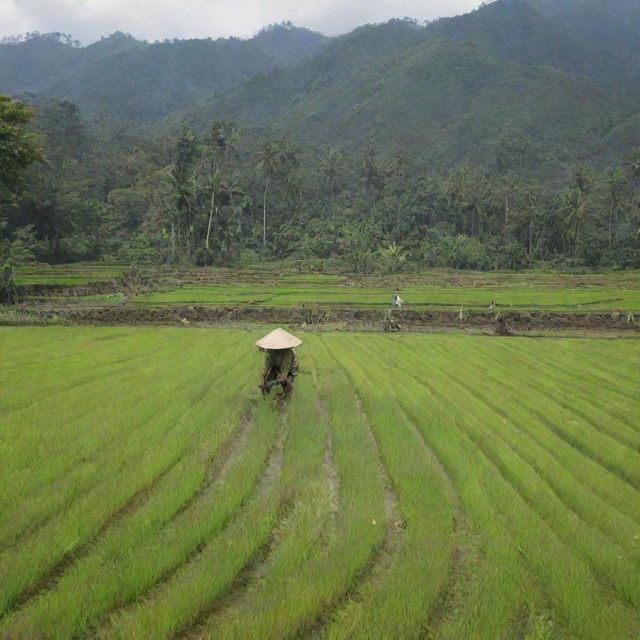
280, 363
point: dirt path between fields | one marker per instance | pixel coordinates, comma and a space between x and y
521, 323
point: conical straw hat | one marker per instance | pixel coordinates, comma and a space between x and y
278, 339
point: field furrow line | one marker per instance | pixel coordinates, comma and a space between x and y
311, 567
506, 383
294, 502
169, 540
251, 571
566, 436
550, 480
51, 577
591, 376
101, 452
269, 473
332, 478
532, 457
220, 461
74, 385
608, 576
597, 480
426, 515
381, 557
466, 550
626, 595
600, 361
329, 463
176, 433
563, 380
538, 529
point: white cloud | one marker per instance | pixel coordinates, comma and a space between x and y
87, 20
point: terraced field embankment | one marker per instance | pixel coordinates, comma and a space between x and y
352, 319
528, 301
443, 486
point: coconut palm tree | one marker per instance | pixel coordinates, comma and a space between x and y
270, 158
615, 183
574, 210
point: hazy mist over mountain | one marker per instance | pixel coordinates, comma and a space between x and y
562, 72
160, 19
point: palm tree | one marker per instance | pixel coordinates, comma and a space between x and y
270, 158
371, 175
223, 148
575, 209
332, 166
615, 200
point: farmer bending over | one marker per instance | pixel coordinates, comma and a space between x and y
281, 362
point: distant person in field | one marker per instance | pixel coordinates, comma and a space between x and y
396, 303
281, 361
501, 326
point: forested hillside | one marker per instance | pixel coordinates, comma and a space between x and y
133, 80
500, 139
449, 91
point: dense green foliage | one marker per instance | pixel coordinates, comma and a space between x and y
457, 486
495, 140
18, 150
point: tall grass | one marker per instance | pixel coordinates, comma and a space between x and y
445, 487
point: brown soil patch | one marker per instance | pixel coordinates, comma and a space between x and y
349, 319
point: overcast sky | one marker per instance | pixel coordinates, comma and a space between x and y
87, 20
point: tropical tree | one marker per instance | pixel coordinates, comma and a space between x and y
615, 201
392, 257
370, 174
184, 191
332, 166
217, 159
18, 147
270, 158
466, 192
575, 209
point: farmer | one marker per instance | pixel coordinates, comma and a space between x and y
501, 326
281, 362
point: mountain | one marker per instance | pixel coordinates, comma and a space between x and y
30, 65
449, 91
134, 80
522, 31
287, 44
560, 76
612, 25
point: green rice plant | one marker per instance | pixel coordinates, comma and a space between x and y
532, 471
579, 597
302, 582
199, 585
134, 555
430, 486
196, 585
503, 572
397, 599
136, 466
76, 449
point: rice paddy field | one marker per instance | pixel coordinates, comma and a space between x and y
67, 275
435, 289
413, 486
531, 296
